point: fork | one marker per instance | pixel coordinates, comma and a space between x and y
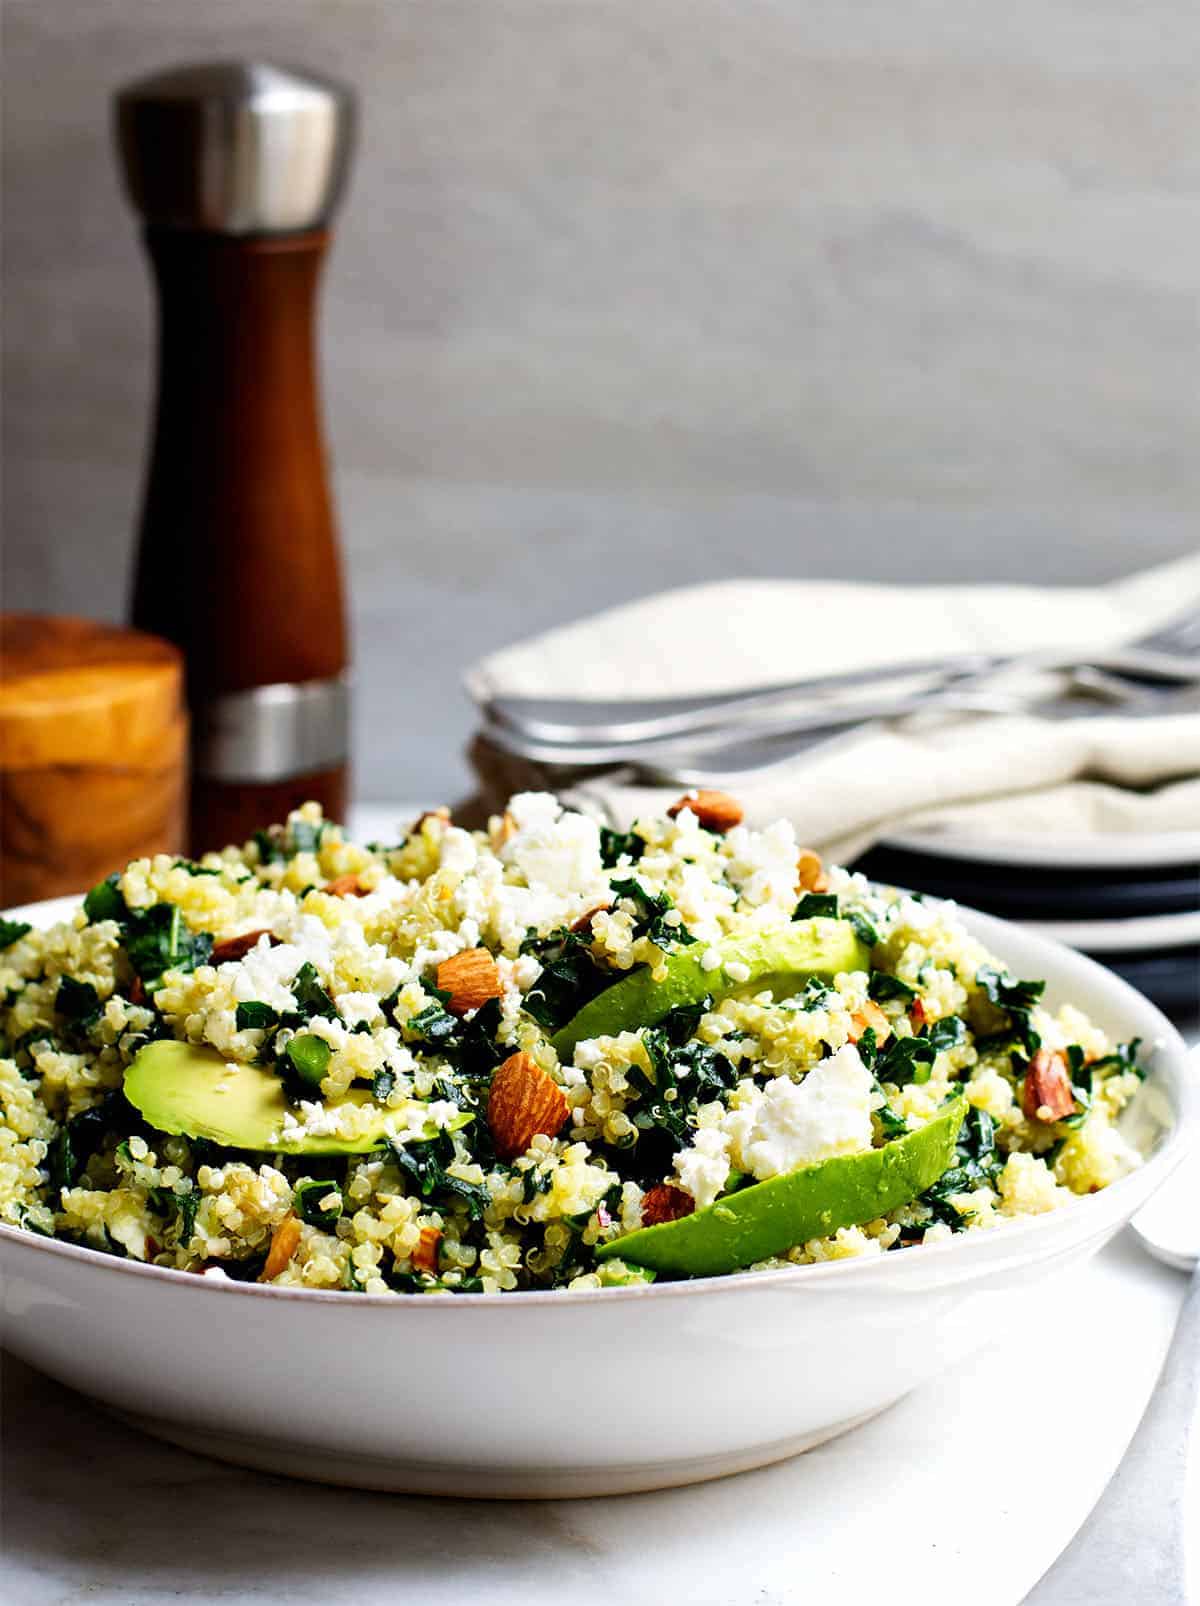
1169, 655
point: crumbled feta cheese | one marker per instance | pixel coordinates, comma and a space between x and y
703, 1170
710, 959
785, 1124
736, 971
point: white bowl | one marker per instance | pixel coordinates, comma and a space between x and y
554, 1394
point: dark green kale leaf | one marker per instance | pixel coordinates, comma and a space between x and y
158, 939
87, 1132
305, 837
569, 979
977, 1164
615, 845
1123, 1058
106, 901
1017, 999
882, 987
78, 1003
270, 846
815, 995
382, 1085
424, 1166
816, 904
905, 1059
866, 931
683, 1074
308, 1196
255, 1016
949, 1032
311, 998
12, 931
182, 1207
650, 912
1082, 1076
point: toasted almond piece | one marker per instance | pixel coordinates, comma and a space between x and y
345, 886
239, 947
1047, 1094
716, 811
285, 1241
811, 872
523, 1101
918, 1014
471, 978
584, 923
425, 1255
665, 1202
872, 1017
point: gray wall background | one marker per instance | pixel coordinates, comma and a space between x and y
631, 293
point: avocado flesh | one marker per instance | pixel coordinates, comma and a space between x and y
769, 1218
196, 1092
777, 960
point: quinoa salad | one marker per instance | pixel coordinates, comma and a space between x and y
548, 1054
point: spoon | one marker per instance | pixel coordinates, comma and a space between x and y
1143, 1512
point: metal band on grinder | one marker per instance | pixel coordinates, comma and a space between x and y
272, 733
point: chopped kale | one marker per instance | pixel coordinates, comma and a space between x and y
866, 931
894, 1126
815, 995
816, 904
304, 837
432, 1027
977, 1164
270, 846
1082, 1075
311, 998
650, 914
78, 1003
883, 987
86, 1132
12, 931
569, 979
1123, 1058
615, 845
183, 1207
105, 901
905, 1059
950, 1032
255, 1016
383, 1085
308, 1196
424, 1166
1017, 999
681, 1074
193, 868
158, 939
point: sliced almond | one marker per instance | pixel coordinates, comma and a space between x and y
811, 872
425, 1255
870, 1017
285, 1241
471, 978
918, 1014
1047, 1094
345, 886
523, 1102
239, 947
716, 811
665, 1202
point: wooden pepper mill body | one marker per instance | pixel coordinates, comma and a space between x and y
238, 557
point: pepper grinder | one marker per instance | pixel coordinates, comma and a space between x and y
236, 169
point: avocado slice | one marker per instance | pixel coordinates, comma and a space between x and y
197, 1093
776, 959
770, 1217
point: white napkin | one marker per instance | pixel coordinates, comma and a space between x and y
992, 774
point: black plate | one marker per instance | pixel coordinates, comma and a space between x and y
1034, 893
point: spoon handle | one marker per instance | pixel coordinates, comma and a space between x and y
1132, 1546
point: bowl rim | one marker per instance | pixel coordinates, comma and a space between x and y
1183, 1135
